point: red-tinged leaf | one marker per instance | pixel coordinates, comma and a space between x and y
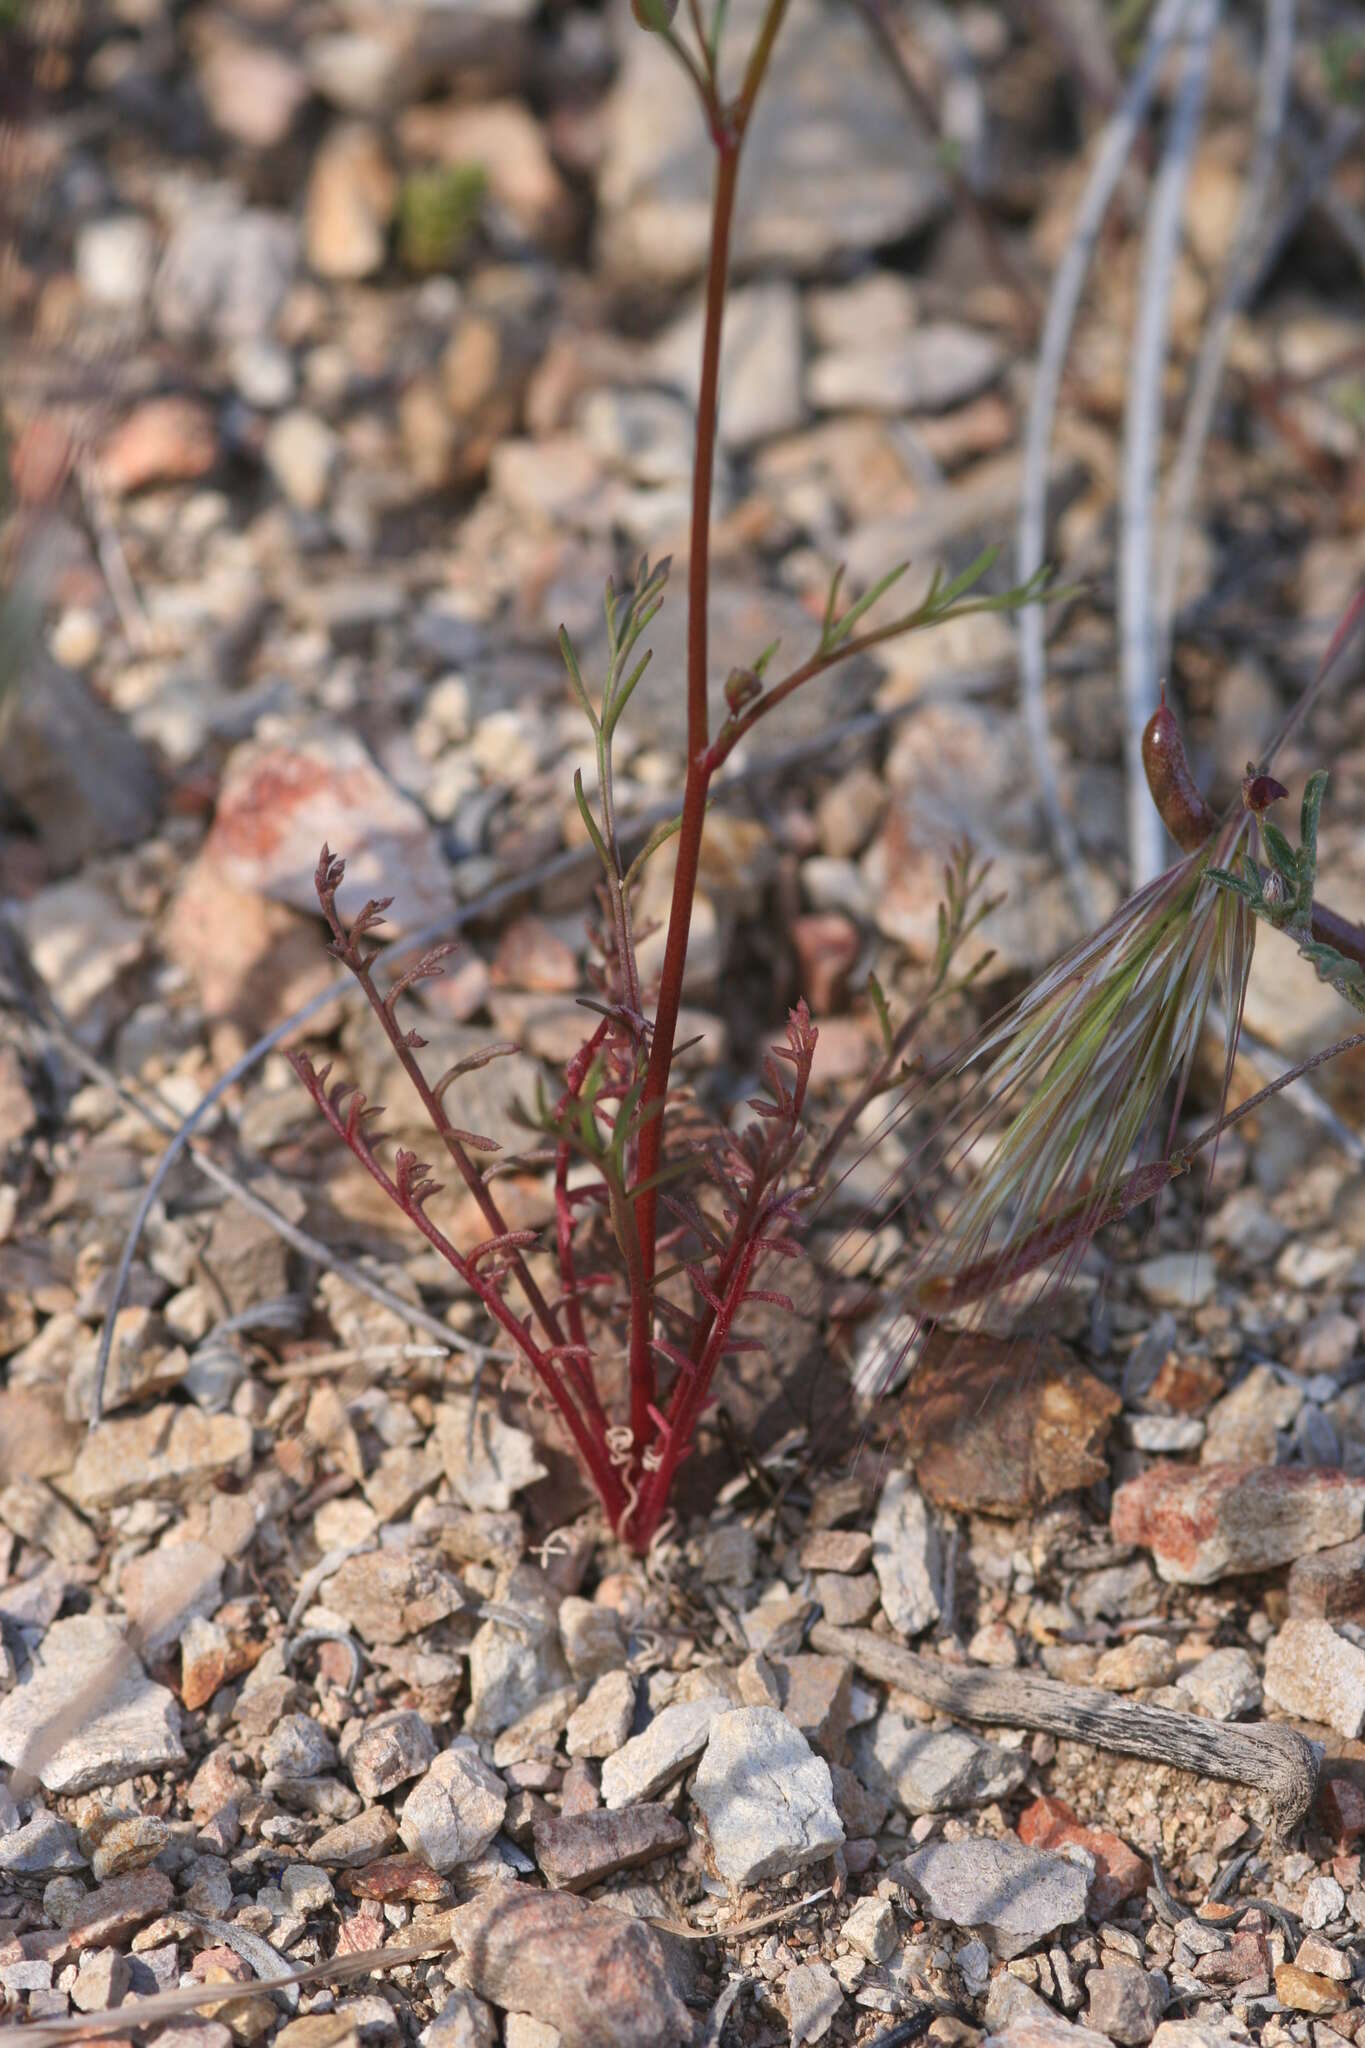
474, 1143
470, 1063
674, 1354
507, 1242
773, 1299
703, 1287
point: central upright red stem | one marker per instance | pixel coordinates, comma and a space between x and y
695, 785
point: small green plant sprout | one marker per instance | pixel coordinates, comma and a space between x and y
437, 211
664, 1215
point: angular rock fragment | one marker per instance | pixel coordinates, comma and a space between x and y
1012, 1895
906, 1556
513, 1663
767, 1798
387, 1595
580, 1849
601, 1978
813, 1997
87, 1714
934, 1770
1203, 1523
601, 1724
1330, 1584
452, 1814
1313, 1672
168, 1453
652, 1760
1120, 1873
488, 1466
391, 1749
1224, 1684
1126, 2001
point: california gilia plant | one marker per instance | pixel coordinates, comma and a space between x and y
666, 1219
663, 1217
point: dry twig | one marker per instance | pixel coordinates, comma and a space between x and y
1138, 634
1273, 1759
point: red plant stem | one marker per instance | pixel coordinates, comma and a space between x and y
591, 1444
728, 128
699, 772
690, 1397
441, 1124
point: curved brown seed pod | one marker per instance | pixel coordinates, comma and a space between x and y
1176, 794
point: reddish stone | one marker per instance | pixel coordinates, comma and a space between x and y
165, 441
1120, 1873
599, 1976
399, 1877
221, 1966
112, 1911
362, 1931
40, 459
1186, 1385
279, 802
1329, 1585
1201, 1522
1341, 1809
575, 1850
1245, 1963
209, 1657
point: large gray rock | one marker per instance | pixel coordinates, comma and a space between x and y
831, 164
934, 1770
1014, 1897
87, 1714
767, 1798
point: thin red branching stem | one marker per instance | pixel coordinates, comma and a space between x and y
690, 1397
698, 776
347, 947
590, 1442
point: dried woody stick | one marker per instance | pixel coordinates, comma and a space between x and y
1267, 1756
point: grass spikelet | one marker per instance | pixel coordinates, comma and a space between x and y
1093, 1055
